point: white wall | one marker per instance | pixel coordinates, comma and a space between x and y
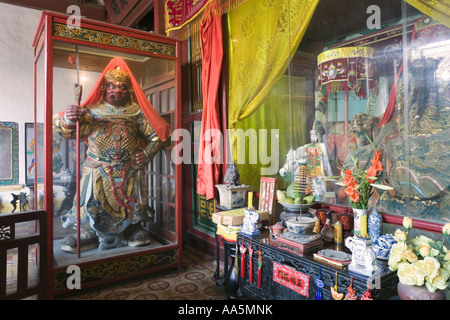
17, 29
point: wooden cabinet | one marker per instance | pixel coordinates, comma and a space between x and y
295, 275
154, 62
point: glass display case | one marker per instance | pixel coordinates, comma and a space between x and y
107, 99
403, 112
349, 80
364, 95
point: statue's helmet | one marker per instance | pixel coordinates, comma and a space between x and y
118, 75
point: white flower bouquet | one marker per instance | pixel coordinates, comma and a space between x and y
420, 261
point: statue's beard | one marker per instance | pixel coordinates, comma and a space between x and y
117, 101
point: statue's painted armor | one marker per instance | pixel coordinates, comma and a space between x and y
113, 189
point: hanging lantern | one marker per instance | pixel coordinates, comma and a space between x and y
347, 68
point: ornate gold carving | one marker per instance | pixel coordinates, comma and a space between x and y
94, 36
111, 269
117, 75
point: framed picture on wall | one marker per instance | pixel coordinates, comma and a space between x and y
34, 149
9, 153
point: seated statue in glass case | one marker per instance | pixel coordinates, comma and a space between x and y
123, 133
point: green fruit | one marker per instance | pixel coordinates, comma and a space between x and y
281, 194
290, 191
288, 200
309, 199
298, 200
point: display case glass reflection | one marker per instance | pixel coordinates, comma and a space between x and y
403, 114
34, 148
114, 217
349, 81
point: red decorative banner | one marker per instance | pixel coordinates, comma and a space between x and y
179, 12
291, 278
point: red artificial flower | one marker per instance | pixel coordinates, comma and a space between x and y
351, 192
376, 156
352, 184
348, 177
372, 172
377, 165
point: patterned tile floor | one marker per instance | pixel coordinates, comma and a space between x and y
195, 281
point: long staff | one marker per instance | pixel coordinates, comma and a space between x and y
78, 93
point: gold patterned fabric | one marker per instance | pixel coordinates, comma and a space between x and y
113, 190
263, 37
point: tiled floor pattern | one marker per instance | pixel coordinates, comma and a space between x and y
195, 281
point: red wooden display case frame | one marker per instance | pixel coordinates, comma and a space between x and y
43, 44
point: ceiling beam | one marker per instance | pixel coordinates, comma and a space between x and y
137, 13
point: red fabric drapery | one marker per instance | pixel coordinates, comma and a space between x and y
161, 127
392, 98
209, 156
393, 94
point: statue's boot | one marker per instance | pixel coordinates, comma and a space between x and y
69, 243
139, 238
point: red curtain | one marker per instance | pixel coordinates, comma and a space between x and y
393, 95
210, 153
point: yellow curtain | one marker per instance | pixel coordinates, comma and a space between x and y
263, 37
284, 109
439, 10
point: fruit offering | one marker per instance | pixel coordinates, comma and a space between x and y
291, 197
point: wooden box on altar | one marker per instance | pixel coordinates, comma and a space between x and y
236, 217
299, 248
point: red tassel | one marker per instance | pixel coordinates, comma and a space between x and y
259, 267
243, 251
250, 256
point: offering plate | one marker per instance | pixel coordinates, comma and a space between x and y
301, 238
296, 207
335, 255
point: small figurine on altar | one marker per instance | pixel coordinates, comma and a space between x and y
317, 160
314, 156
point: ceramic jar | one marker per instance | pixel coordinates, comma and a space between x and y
374, 224
276, 229
322, 216
407, 292
300, 225
383, 245
346, 220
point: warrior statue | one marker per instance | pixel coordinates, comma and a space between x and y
118, 124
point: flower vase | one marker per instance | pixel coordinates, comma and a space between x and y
408, 292
374, 224
360, 222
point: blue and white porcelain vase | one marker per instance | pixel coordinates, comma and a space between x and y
374, 224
